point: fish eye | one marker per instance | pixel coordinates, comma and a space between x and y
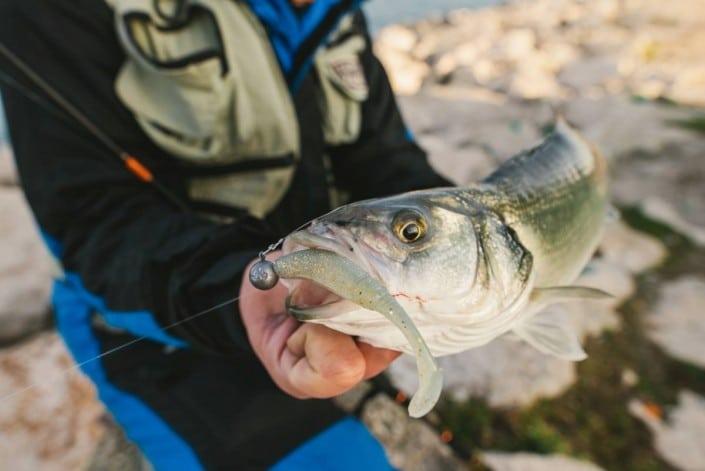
409, 226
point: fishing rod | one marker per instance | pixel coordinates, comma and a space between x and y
131, 163
262, 274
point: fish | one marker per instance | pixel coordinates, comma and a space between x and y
436, 272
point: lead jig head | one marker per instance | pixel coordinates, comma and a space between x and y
262, 275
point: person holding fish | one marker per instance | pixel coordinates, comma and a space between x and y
240, 124
255, 117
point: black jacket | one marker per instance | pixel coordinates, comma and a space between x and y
125, 241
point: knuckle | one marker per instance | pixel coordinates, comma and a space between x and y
346, 371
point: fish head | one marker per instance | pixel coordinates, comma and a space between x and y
434, 250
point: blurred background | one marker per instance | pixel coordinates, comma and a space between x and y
477, 82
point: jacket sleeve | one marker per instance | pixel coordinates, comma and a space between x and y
385, 159
123, 240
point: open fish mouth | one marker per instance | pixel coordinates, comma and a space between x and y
334, 239
306, 295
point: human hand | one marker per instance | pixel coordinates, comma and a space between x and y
304, 360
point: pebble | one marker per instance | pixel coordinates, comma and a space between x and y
410, 444
51, 420
499, 461
677, 323
26, 269
662, 211
8, 170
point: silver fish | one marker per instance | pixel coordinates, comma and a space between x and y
466, 264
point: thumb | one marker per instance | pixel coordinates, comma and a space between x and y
322, 362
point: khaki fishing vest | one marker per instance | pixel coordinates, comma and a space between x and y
207, 88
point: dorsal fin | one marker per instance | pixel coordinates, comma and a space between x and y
562, 157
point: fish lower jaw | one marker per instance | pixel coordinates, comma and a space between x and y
307, 295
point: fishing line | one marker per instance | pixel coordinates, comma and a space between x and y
77, 366
64, 372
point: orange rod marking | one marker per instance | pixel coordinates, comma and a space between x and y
138, 169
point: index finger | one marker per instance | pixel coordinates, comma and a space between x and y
376, 359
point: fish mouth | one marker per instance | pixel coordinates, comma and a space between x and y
306, 295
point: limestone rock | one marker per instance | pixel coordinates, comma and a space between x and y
351, 399
618, 125
410, 444
689, 87
630, 378
517, 43
393, 47
115, 453
49, 420
397, 37
26, 269
406, 74
8, 171
498, 461
506, 373
662, 211
590, 72
680, 439
677, 323
532, 82
631, 249
666, 184
460, 165
540, 49
465, 119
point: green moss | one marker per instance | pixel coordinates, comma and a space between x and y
660, 100
696, 123
539, 436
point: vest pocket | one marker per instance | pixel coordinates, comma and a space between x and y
343, 89
207, 88
175, 83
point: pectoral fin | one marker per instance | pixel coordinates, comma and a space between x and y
552, 337
556, 294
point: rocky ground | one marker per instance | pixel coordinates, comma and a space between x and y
477, 87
